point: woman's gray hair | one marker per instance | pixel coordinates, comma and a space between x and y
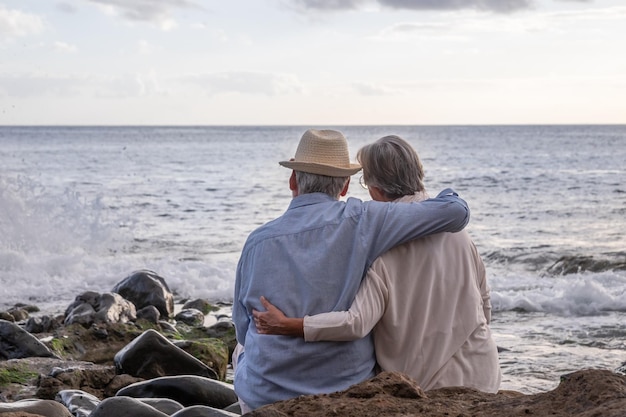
314, 183
392, 165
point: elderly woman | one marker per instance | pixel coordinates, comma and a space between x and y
427, 300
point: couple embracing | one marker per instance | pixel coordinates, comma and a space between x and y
312, 284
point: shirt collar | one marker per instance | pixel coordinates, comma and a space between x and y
309, 199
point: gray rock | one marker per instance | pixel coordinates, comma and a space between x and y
186, 389
164, 405
191, 317
234, 408
92, 307
150, 313
80, 403
152, 355
203, 411
41, 324
125, 407
200, 304
47, 408
19, 314
220, 329
145, 288
16, 343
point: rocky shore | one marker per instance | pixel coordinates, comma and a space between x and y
125, 353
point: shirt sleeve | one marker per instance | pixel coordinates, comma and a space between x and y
391, 224
366, 309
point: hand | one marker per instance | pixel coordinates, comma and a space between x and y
269, 321
273, 321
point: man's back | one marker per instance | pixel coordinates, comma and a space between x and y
312, 260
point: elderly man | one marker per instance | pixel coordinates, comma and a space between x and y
311, 260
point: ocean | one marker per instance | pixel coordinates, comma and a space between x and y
83, 207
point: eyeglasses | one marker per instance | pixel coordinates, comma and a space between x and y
362, 182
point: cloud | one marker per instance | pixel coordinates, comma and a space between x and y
245, 82
499, 6
64, 47
66, 7
153, 11
37, 85
17, 23
328, 5
367, 89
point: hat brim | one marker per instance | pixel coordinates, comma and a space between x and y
321, 169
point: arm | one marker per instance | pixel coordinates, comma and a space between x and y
367, 308
482, 284
390, 224
274, 321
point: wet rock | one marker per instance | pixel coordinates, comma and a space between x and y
91, 307
191, 317
211, 352
5, 315
19, 314
80, 403
97, 380
152, 355
43, 324
203, 411
15, 343
164, 405
125, 407
149, 313
186, 389
145, 288
577, 264
45, 408
225, 331
200, 304
168, 327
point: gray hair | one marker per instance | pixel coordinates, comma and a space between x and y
392, 165
314, 183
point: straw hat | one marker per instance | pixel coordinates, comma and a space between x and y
323, 152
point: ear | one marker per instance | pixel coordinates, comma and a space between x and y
293, 184
377, 194
345, 188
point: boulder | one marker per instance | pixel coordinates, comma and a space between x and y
92, 307
203, 411
42, 324
200, 304
44, 408
149, 313
125, 407
191, 317
16, 343
152, 355
145, 288
80, 403
164, 405
186, 389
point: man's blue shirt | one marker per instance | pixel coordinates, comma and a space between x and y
311, 260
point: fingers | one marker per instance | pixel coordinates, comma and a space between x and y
266, 303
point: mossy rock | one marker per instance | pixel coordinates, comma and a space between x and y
98, 343
212, 352
16, 375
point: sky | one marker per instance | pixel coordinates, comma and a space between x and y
312, 62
